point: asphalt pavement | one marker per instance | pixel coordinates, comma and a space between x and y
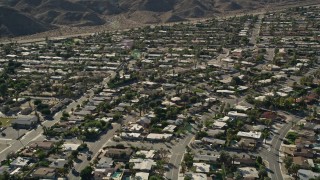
177, 153
95, 148
272, 155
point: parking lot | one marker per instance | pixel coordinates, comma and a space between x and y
10, 133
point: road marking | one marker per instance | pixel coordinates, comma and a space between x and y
6, 148
36, 137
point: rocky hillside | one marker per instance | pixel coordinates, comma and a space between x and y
20, 17
15, 23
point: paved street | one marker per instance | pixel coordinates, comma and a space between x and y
94, 147
177, 156
256, 30
272, 155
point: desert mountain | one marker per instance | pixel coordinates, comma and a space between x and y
15, 23
17, 16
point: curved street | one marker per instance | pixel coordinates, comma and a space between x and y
272, 154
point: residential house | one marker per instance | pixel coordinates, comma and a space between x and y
249, 172
70, 146
148, 154
105, 162
169, 128
144, 121
104, 173
133, 136
206, 158
213, 141
288, 149
25, 122
247, 143
302, 161
119, 154
44, 173
202, 167
236, 53
143, 164
304, 152
197, 176
58, 163
251, 135
305, 174
44, 145
20, 162
141, 176
245, 161
158, 137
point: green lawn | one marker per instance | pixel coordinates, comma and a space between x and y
291, 137
5, 122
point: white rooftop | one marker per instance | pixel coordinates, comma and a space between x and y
197, 176
142, 176
70, 146
242, 108
143, 164
156, 136
255, 135
249, 172
202, 167
219, 124
236, 114
132, 135
169, 128
148, 154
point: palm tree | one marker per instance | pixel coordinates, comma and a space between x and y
265, 134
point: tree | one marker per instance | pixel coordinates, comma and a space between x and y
117, 116
41, 155
306, 80
265, 135
155, 177
288, 161
263, 172
69, 164
293, 169
5, 176
236, 81
238, 175
86, 173
188, 159
5, 109
225, 158
74, 154
82, 138
37, 102
259, 160
82, 147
